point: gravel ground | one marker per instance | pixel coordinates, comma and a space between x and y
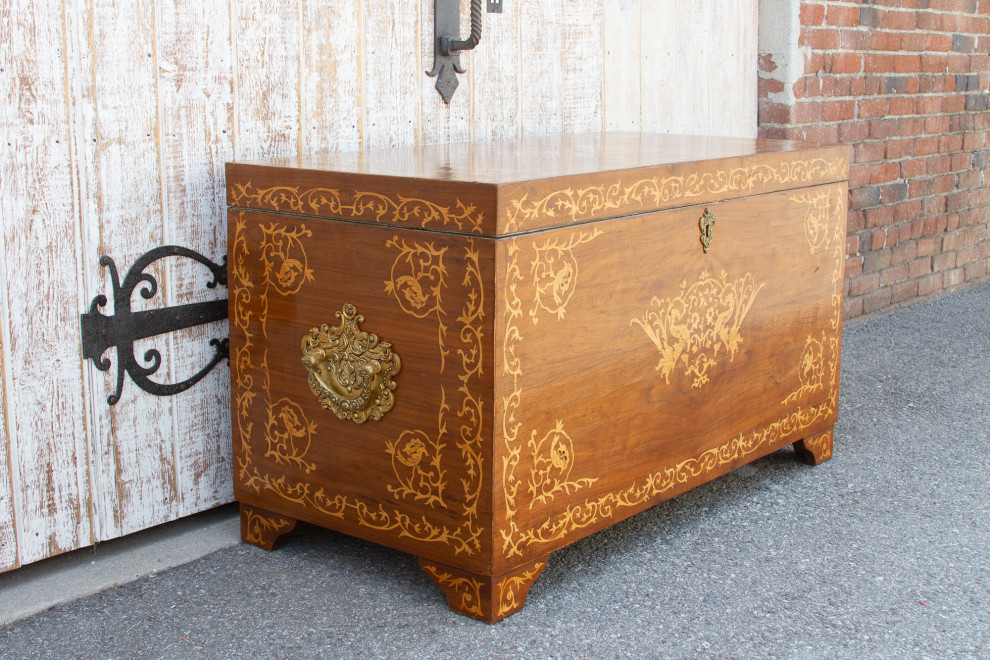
882, 552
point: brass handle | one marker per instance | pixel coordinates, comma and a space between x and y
350, 371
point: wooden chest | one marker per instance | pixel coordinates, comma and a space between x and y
480, 353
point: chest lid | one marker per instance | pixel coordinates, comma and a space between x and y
512, 186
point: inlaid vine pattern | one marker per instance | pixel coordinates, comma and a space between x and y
288, 434
572, 204
374, 206
555, 266
691, 328
516, 540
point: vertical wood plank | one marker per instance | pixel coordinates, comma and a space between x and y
663, 100
331, 91
441, 123
582, 67
39, 293
496, 82
8, 526
623, 61
196, 104
134, 477
736, 103
541, 67
267, 78
391, 98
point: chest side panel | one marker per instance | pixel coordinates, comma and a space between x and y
637, 364
361, 379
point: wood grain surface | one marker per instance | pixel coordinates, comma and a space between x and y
554, 379
117, 118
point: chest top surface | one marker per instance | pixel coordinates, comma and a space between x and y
506, 187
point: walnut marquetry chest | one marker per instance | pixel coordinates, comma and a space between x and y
480, 353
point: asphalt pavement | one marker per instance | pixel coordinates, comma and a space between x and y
881, 552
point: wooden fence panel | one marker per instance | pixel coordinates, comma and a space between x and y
195, 97
42, 366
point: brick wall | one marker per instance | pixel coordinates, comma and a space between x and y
905, 82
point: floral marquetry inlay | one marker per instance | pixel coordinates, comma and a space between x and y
692, 328
356, 204
574, 203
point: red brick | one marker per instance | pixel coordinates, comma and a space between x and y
908, 211
863, 284
828, 134
820, 39
904, 253
868, 152
967, 180
859, 40
939, 164
767, 86
956, 63
954, 103
902, 105
812, 14
885, 41
929, 21
852, 245
903, 291
899, 20
976, 270
967, 255
925, 146
907, 63
838, 110
944, 261
854, 131
930, 284
910, 126
878, 63
939, 43
856, 220
974, 141
869, 108
774, 113
859, 175
854, 266
806, 112
913, 168
844, 63
843, 16
894, 275
957, 201
929, 246
929, 105
954, 277
876, 301
857, 86
920, 267
899, 149
943, 184
916, 41
885, 172
936, 124
883, 128
851, 308
933, 62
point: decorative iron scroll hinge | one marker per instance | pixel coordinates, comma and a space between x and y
100, 332
447, 46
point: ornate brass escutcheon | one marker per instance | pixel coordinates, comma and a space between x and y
707, 224
350, 371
